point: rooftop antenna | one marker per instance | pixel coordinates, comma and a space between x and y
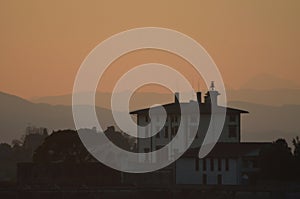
212, 85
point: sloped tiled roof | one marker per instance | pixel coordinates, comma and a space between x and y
223, 149
188, 106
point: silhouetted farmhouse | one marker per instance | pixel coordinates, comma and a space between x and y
231, 162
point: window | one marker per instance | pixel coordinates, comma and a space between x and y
158, 147
166, 131
146, 118
175, 118
174, 130
232, 131
196, 164
158, 132
232, 118
204, 164
219, 164
219, 179
212, 166
146, 150
226, 164
204, 179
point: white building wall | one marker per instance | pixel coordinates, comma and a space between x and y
187, 125
186, 172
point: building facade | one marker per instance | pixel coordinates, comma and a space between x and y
229, 163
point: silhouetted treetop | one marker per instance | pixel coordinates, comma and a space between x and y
277, 161
66, 145
62, 146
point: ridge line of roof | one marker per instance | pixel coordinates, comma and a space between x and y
203, 104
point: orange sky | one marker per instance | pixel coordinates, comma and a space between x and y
43, 43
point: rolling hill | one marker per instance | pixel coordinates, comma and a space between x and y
263, 123
17, 113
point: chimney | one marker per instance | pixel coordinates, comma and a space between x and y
176, 96
211, 96
199, 97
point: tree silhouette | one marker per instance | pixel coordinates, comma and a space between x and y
66, 146
296, 143
62, 146
277, 161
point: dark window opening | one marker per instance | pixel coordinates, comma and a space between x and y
196, 164
219, 164
219, 179
212, 164
146, 150
232, 131
166, 132
158, 147
204, 164
204, 179
174, 130
226, 164
158, 134
232, 118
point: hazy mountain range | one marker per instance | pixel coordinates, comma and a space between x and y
17, 113
274, 97
261, 89
264, 123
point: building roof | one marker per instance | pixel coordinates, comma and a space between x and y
188, 106
223, 149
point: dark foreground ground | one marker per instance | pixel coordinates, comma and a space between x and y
176, 192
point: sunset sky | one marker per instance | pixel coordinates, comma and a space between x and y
44, 42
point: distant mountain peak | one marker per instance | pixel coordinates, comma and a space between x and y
9, 98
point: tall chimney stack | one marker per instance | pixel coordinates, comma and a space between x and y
199, 97
176, 96
212, 95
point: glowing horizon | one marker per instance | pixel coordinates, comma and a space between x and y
44, 43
